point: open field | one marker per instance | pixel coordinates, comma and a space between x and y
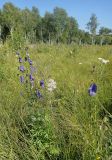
66, 124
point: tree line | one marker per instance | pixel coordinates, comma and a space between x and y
55, 27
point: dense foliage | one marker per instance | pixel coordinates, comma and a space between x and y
56, 27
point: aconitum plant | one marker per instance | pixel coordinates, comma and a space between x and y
42, 83
27, 74
22, 68
30, 61
22, 79
38, 94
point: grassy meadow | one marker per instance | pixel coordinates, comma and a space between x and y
66, 124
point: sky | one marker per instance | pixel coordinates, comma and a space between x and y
80, 9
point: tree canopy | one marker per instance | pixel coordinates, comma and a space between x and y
55, 27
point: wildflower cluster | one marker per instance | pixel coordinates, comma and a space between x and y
27, 73
27, 76
51, 85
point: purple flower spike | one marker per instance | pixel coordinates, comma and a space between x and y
42, 83
22, 79
22, 69
92, 90
31, 78
38, 94
20, 60
30, 61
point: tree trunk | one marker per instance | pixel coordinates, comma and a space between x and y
93, 40
11, 32
101, 41
41, 32
0, 31
49, 38
80, 42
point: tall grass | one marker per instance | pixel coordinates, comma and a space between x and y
67, 124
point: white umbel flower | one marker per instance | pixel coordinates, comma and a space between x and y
51, 85
104, 61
